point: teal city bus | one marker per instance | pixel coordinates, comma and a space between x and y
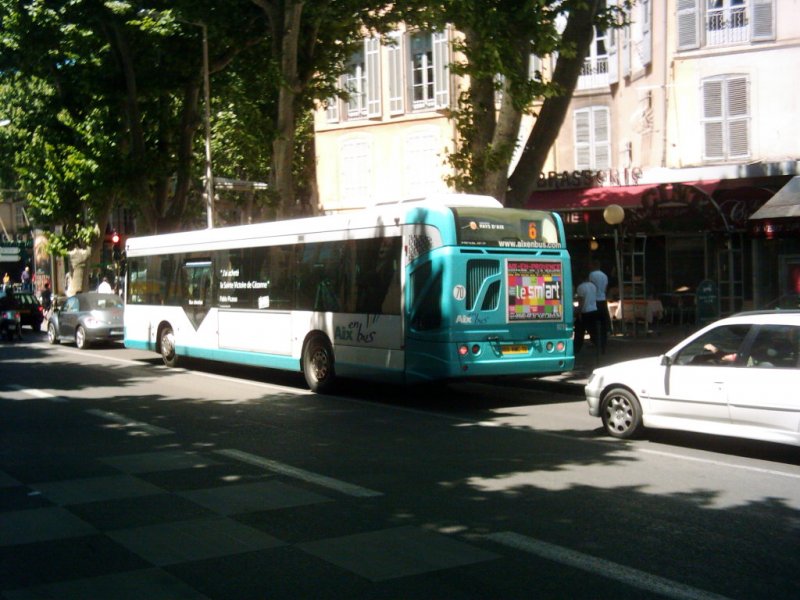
440, 289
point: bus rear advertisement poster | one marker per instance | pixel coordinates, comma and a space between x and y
535, 290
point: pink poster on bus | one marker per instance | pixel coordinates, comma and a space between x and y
535, 290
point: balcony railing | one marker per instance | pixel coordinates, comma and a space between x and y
726, 26
594, 73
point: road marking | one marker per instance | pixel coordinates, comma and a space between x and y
130, 423
38, 394
719, 463
283, 469
605, 568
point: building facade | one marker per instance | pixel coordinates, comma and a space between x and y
684, 118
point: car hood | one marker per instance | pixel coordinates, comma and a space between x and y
629, 371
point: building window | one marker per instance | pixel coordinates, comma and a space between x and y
428, 77
332, 110
394, 55
726, 118
361, 82
594, 73
422, 162
592, 138
355, 171
713, 23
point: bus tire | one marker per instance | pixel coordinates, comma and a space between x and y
166, 345
318, 365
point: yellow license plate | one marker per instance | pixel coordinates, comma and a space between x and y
514, 349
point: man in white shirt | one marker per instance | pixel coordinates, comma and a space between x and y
105, 287
600, 281
586, 319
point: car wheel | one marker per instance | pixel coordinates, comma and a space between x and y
318, 367
52, 334
167, 345
621, 414
80, 338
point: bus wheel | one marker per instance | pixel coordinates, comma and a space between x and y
318, 365
167, 345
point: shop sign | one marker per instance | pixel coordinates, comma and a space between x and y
553, 180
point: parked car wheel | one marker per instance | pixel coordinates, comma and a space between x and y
621, 413
52, 334
80, 338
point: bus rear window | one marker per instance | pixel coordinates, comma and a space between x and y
506, 228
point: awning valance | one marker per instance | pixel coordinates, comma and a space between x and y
627, 196
784, 204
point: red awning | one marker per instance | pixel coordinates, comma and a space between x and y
627, 196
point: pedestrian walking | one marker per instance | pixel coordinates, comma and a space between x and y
25, 277
586, 318
600, 281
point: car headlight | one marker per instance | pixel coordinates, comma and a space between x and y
93, 322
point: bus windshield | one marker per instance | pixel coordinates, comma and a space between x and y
506, 228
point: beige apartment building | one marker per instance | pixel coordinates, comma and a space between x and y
685, 119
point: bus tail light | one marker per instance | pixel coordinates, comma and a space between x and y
463, 350
561, 346
476, 349
549, 346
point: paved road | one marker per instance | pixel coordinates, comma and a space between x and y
120, 479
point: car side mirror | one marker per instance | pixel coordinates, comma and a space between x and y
666, 360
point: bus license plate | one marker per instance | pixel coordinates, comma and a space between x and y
514, 349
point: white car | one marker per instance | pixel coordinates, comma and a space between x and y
739, 376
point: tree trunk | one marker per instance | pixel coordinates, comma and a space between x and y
283, 146
79, 273
578, 33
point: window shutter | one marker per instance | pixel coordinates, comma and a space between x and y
395, 56
602, 139
372, 64
613, 57
441, 83
626, 50
738, 117
762, 20
712, 117
688, 24
646, 45
583, 157
355, 171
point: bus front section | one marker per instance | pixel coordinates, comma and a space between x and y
497, 302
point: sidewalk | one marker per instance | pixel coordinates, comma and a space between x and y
620, 347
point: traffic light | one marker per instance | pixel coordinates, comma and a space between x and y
116, 251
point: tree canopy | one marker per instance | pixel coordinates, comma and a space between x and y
105, 96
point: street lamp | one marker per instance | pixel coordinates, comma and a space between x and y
614, 214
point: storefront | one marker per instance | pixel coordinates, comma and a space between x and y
775, 229
673, 236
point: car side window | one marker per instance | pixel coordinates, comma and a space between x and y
718, 347
71, 305
774, 346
